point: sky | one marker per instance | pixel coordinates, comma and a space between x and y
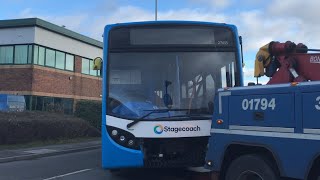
258, 21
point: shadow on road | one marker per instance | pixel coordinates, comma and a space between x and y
159, 174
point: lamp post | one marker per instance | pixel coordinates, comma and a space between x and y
156, 10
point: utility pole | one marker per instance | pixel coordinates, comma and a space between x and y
156, 10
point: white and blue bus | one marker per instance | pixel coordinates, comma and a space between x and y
159, 83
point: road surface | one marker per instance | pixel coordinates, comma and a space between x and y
80, 166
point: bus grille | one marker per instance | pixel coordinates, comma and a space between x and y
178, 152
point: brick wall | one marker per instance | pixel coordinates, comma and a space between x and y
15, 79
38, 79
65, 83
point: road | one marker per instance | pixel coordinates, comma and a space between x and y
81, 166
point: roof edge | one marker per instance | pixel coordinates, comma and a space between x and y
27, 22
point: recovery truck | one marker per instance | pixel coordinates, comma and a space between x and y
270, 132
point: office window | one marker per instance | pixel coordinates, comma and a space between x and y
85, 66
60, 60
68, 106
34, 103
35, 54
69, 62
48, 104
21, 54
6, 54
92, 72
50, 57
29, 54
28, 102
39, 105
41, 56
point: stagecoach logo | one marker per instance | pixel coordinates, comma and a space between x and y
315, 59
158, 129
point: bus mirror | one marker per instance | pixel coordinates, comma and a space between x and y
97, 63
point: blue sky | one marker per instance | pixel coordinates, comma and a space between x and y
258, 21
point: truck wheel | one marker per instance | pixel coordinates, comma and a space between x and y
251, 167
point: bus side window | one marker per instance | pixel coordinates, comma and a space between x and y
183, 91
210, 92
228, 76
223, 77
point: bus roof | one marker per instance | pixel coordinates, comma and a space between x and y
179, 22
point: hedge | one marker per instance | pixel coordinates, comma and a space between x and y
23, 127
90, 111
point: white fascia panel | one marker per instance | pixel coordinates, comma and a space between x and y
60, 42
19, 35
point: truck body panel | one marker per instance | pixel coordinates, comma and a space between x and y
282, 119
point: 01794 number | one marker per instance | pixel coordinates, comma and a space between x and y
259, 104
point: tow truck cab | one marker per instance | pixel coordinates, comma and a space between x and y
266, 132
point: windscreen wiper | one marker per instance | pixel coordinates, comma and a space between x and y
152, 112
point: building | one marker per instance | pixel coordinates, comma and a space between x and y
48, 64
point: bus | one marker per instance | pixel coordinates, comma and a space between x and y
159, 84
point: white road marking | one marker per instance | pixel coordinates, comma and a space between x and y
41, 151
68, 174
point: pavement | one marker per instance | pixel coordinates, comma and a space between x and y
44, 151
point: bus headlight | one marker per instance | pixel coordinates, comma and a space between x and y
130, 142
114, 132
123, 138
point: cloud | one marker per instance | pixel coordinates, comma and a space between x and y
73, 22
192, 15
130, 14
134, 14
215, 4
118, 15
104, 7
306, 10
278, 20
25, 13
256, 28
248, 72
274, 20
